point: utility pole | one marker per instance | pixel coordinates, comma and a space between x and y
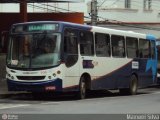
23, 10
94, 13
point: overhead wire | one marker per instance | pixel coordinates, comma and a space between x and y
105, 19
115, 21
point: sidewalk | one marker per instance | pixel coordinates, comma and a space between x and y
4, 93
3, 85
3, 89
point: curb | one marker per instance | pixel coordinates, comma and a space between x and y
11, 94
2, 96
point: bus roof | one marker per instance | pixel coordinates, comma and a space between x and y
61, 23
94, 29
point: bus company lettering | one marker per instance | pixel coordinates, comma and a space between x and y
95, 63
30, 72
43, 72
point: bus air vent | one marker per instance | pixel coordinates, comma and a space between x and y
30, 77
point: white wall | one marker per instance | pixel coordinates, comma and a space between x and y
111, 9
117, 11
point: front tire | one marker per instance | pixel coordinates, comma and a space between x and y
82, 89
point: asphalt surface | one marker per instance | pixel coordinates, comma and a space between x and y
99, 105
98, 102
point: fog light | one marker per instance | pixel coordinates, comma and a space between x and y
54, 75
58, 72
9, 75
49, 77
12, 77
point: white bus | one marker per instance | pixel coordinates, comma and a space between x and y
53, 56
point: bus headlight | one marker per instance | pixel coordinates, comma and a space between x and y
58, 72
12, 78
54, 74
9, 75
49, 77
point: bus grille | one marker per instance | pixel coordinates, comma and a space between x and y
30, 77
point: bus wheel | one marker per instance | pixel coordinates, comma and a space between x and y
133, 85
82, 89
132, 90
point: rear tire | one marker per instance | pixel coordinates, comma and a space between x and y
133, 85
132, 90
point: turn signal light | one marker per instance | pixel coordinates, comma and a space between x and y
54, 74
58, 72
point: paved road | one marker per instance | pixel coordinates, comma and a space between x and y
98, 102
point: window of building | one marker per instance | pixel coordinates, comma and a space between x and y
86, 43
132, 47
147, 5
118, 46
127, 3
102, 44
144, 48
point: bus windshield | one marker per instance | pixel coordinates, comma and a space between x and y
36, 50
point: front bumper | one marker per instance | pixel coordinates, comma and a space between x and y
39, 86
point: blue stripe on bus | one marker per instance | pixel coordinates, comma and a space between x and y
150, 37
77, 26
117, 79
34, 86
152, 63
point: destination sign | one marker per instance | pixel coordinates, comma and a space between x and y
42, 27
35, 28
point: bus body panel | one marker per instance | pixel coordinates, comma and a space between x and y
105, 72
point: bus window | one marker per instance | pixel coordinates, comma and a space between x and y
70, 47
143, 48
86, 44
118, 46
152, 49
132, 47
102, 44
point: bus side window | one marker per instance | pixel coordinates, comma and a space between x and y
102, 45
70, 47
132, 47
86, 43
144, 48
118, 46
